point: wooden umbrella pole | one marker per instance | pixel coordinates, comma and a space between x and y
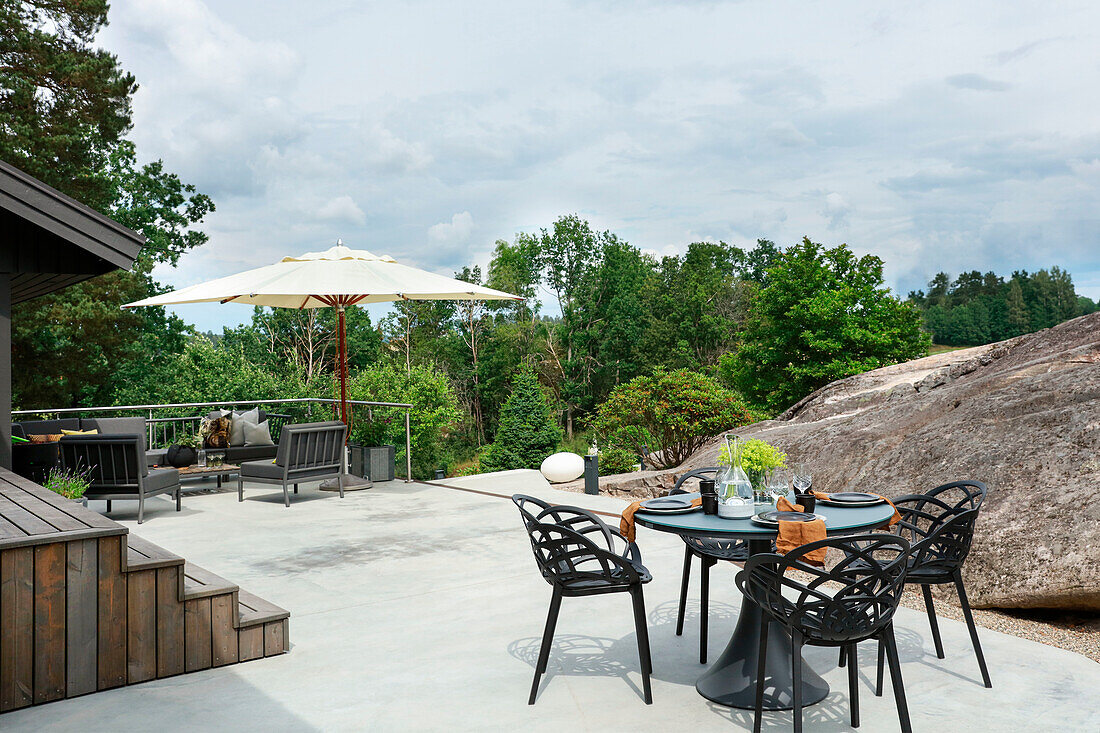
342, 364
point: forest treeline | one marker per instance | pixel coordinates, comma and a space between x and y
976, 308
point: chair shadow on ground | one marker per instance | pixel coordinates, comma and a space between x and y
675, 660
912, 650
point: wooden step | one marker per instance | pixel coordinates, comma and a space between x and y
144, 555
201, 583
253, 610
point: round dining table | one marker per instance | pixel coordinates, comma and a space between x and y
731, 679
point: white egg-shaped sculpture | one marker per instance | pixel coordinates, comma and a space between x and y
562, 467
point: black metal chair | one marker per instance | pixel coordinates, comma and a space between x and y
580, 555
940, 527
709, 551
116, 467
307, 452
854, 601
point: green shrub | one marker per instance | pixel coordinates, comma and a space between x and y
527, 432
617, 460
669, 413
434, 415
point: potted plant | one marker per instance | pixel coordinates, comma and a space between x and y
70, 484
183, 452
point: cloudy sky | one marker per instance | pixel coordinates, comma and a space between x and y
937, 135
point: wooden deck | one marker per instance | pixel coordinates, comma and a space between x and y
86, 606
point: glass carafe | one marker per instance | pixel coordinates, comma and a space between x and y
736, 489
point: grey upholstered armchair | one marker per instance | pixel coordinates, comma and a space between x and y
116, 467
307, 452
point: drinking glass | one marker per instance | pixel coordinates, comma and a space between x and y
779, 483
202, 458
803, 478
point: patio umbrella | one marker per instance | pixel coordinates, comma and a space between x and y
336, 278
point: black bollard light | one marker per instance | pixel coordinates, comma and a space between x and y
591, 474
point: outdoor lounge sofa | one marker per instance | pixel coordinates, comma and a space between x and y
34, 461
307, 452
116, 467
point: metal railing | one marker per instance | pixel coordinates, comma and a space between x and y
165, 423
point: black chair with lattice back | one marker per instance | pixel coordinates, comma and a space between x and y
838, 607
709, 551
940, 527
580, 555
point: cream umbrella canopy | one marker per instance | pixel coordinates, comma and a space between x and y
336, 278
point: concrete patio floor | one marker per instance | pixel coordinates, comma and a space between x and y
415, 607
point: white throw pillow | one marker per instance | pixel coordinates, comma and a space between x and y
257, 433
236, 427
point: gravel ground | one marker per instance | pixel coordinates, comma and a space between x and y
1076, 632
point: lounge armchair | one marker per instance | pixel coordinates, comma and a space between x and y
307, 452
117, 469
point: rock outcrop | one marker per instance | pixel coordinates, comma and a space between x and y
1022, 415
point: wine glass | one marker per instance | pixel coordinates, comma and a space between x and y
803, 478
779, 482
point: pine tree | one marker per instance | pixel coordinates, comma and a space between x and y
1018, 321
64, 105
527, 431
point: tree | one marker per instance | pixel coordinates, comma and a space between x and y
527, 433
824, 315
64, 108
64, 105
668, 415
567, 256
1018, 321
85, 326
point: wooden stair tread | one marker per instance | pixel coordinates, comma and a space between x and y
201, 583
144, 555
253, 610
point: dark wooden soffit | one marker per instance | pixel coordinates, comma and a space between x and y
49, 241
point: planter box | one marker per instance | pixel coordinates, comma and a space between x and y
375, 462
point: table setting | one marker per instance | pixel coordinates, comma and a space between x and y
755, 496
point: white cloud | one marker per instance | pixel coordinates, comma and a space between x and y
342, 209
667, 123
457, 230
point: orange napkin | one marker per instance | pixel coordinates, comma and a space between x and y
626, 524
795, 534
893, 520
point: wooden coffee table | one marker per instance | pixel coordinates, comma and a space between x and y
203, 471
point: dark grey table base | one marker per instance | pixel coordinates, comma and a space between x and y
731, 680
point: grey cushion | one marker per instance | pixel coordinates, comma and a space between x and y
116, 426
162, 478
267, 469
50, 427
213, 414
249, 453
236, 428
258, 434
156, 457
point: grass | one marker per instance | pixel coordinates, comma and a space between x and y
942, 349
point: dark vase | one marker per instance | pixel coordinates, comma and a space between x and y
180, 456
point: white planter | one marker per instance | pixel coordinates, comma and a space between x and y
562, 467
